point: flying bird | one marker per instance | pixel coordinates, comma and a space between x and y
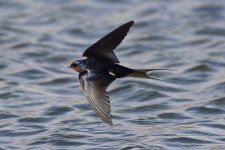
101, 67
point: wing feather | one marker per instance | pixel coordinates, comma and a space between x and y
103, 49
94, 89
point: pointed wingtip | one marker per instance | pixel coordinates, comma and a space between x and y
130, 22
109, 122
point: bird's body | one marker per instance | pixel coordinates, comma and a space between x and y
101, 68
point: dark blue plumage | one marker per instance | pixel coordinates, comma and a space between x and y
101, 67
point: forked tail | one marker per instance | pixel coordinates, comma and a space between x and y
120, 72
142, 73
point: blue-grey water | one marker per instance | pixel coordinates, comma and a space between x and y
43, 108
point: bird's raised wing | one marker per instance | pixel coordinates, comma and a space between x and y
94, 88
103, 48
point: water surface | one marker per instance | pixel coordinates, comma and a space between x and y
43, 107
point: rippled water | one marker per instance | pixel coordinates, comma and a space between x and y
41, 103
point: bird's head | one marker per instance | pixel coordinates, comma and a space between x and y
77, 65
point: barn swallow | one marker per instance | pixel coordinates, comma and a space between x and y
101, 67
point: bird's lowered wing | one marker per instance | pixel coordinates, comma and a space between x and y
94, 88
104, 47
